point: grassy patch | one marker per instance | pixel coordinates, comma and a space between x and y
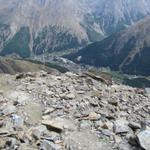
51, 65
137, 82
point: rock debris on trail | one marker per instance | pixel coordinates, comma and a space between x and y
41, 111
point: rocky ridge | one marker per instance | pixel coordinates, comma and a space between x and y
71, 112
13, 66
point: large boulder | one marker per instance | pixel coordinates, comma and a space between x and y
144, 139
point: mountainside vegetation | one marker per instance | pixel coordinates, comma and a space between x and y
127, 51
19, 44
54, 25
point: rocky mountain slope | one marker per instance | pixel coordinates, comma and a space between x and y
71, 112
127, 51
37, 26
113, 15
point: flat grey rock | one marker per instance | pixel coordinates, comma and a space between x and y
144, 139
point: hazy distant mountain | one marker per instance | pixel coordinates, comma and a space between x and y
37, 26
128, 51
113, 15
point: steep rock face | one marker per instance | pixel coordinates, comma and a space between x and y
4, 34
62, 24
114, 15
128, 51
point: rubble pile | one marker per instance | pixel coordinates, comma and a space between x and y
41, 111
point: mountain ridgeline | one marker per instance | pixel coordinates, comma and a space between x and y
127, 51
40, 26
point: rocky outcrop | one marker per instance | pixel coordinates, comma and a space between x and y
71, 112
